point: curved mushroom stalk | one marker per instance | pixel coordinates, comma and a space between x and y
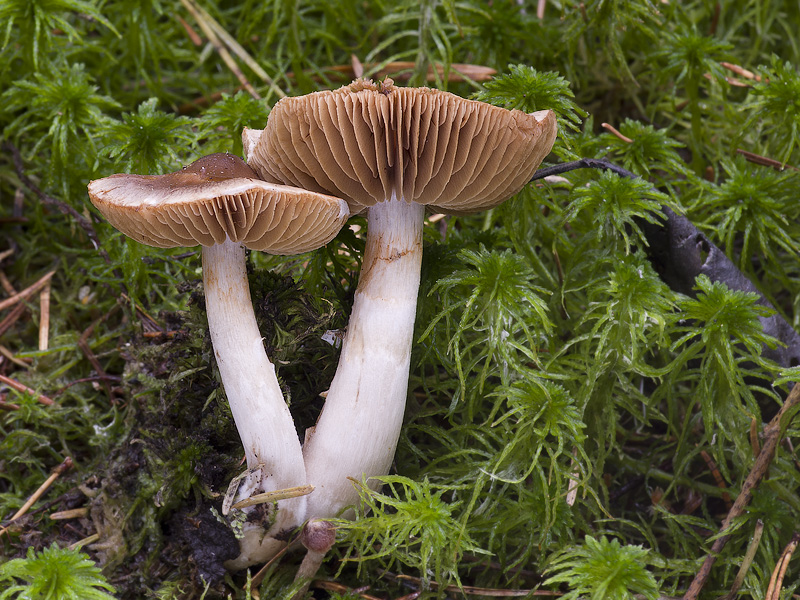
220, 203
391, 151
262, 418
357, 432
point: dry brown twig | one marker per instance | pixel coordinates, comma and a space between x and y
747, 561
12, 383
611, 129
194, 37
148, 322
772, 435
74, 513
213, 38
25, 363
8, 405
401, 71
755, 444
764, 161
65, 465
712, 466
776, 581
332, 586
27, 292
540, 6
62, 207
224, 43
12, 317
480, 591
83, 344
741, 71
85, 541
259, 577
730, 80
44, 317
9, 289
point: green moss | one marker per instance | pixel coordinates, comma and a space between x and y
560, 392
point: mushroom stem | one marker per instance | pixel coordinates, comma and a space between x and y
364, 408
262, 418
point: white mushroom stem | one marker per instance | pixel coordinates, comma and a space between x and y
356, 434
262, 418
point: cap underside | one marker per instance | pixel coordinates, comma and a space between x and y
367, 143
182, 209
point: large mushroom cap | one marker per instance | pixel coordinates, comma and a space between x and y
216, 198
370, 142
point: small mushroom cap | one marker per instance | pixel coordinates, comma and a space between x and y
216, 198
370, 142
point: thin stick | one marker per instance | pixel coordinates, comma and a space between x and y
221, 50
746, 562
62, 207
5, 254
44, 317
764, 161
480, 591
611, 129
237, 49
294, 492
29, 291
74, 513
772, 435
741, 71
400, 71
8, 405
12, 317
776, 581
332, 586
258, 577
754, 443
83, 344
26, 390
87, 540
114, 378
143, 313
712, 466
64, 466
17, 361
572, 487
193, 35
540, 6
7, 284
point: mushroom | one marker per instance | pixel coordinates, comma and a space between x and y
390, 151
220, 203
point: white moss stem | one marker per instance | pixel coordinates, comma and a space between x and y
262, 418
356, 434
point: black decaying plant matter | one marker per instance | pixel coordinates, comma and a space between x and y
679, 252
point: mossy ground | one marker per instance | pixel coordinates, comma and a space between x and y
573, 423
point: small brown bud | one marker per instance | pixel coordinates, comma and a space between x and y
318, 535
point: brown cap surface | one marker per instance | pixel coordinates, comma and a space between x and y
368, 142
216, 198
